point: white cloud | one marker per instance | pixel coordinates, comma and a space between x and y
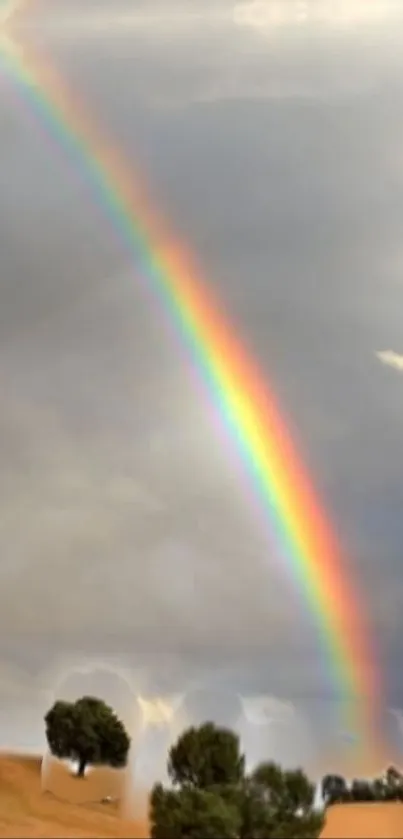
276, 727
391, 359
265, 16
205, 54
264, 710
113, 20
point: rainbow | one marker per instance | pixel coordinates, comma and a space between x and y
244, 403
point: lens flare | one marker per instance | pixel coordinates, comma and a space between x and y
158, 711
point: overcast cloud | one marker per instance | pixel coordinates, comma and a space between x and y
270, 136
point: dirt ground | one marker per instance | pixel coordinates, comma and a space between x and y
364, 821
58, 805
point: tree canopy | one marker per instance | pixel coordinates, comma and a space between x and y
280, 802
87, 731
388, 787
206, 756
192, 813
213, 797
334, 789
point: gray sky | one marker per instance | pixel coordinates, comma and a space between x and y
270, 136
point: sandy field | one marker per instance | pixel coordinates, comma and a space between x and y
59, 805
364, 821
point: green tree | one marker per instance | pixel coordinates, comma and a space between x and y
379, 789
334, 790
206, 757
212, 797
394, 784
87, 731
192, 813
393, 777
362, 790
280, 803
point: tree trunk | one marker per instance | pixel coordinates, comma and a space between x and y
81, 767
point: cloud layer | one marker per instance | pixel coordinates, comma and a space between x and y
127, 527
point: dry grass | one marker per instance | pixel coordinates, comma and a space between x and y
98, 784
63, 806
